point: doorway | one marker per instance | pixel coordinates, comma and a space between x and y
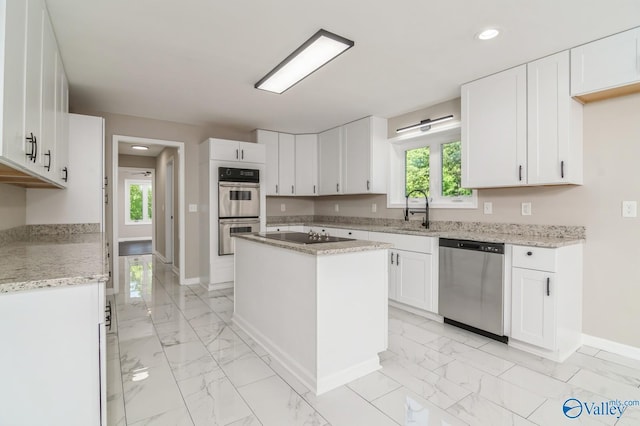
167, 199
136, 215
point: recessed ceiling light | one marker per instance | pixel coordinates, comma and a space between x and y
488, 34
314, 53
140, 147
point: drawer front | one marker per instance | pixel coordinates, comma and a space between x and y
541, 259
414, 243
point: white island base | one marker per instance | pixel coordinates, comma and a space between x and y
322, 316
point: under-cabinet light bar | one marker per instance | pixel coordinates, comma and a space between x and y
424, 125
314, 53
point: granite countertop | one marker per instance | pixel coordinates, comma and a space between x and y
322, 248
52, 261
487, 234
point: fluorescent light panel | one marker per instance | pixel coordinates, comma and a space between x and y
426, 124
320, 49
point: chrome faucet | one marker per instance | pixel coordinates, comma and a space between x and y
425, 222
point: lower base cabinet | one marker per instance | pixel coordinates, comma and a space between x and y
52, 361
546, 300
410, 279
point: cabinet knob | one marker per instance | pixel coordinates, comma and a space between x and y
529, 253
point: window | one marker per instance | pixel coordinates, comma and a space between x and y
138, 202
431, 163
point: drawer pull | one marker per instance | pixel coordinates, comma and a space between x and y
529, 253
548, 292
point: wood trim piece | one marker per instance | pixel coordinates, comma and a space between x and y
609, 93
16, 177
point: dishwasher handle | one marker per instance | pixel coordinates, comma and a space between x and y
485, 247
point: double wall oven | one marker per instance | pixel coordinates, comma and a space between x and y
238, 205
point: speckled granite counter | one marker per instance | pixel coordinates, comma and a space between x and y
528, 235
320, 249
52, 261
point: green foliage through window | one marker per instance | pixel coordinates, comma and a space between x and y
140, 206
417, 169
452, 171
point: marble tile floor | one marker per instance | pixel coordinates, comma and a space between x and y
177, 359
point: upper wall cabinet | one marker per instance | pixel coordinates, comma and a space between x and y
329, 161
365, 156
35, 99
521, 127
607, 67
494, 130
279, 162
306, 164
353, 159
230, 150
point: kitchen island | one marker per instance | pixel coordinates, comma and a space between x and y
319, 309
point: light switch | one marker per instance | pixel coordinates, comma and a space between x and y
488, 207
283, 207
337, 207
374, 208
629, 209
193, 208
526, 209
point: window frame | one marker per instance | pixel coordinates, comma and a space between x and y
127, 201
397, 173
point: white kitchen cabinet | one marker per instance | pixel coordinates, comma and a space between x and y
413, 278
534, 300
329, 162
521, 127
606, 67
365, 156
33, 96
63, 141
280, 161
306, 164
546, 300
230, 150
55, 357
554, 123
494, 130
12, 144
286, 164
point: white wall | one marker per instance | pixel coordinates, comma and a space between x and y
13, 206
128, 232
82, 200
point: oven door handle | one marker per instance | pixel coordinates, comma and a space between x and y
239, 185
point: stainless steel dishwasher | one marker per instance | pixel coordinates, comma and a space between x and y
471, 286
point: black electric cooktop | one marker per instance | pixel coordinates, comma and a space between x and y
303, 238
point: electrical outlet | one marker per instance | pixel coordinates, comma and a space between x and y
283, 207
193, 208
629, 209
336, 207
526, 209
488, 207
374, 208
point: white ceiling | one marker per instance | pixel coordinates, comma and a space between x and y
196, 61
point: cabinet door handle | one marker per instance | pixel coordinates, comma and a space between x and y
32, 140
368, 185
398, 259
242, 156
48, 166
520, 172
548, 292
292, 189
106, 181
562, 169
66, 174
392, 258
529, 253
337, 187
276, 189
314, 189
237, 154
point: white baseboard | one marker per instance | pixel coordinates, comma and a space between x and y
190, 281
219, 286
416, 311
120, 240
611, 346
175, 270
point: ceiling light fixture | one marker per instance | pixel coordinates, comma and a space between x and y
424, 125
140, 147
488, 34
320, 49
